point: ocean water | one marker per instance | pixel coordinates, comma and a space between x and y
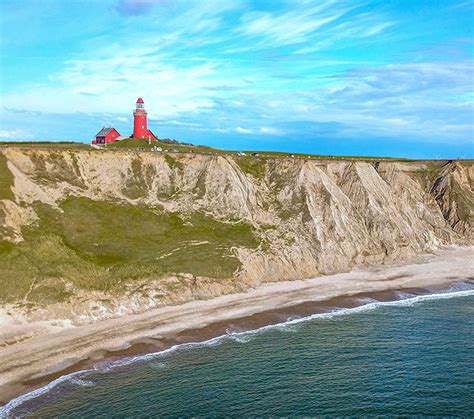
413, 356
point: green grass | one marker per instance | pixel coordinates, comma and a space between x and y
173, 163
6, 192
61, 145
54, 167
136, 143
103, 245
130, 143
6, 179
136, 183
252, 166
463, 201
429, 173
307, 156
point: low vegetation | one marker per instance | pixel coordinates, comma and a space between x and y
173, 163
57, 166
140, 143
61, 145
97, 245
463, 202
136, 183
136, 144
89, 244
252, 166
6, 179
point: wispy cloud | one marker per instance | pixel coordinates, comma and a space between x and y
241, 130
248, 69
291, 27
17, 134
422, 99
312, 27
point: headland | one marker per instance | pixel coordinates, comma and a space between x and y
106, 248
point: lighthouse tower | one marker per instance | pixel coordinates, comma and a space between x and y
140, 128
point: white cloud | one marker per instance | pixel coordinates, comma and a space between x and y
15, 134
284, 29
243, 130
312, 27
183, 124
378, 28
260, 131
271, 131
250, 74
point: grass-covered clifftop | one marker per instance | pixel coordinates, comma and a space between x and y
78, 226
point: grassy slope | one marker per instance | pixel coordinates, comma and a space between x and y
59, 145
101, 245
6, 179
6, 183
252, 166
134, 143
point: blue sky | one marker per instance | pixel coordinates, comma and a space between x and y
386, 77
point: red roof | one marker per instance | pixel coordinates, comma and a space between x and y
140, 100
105, 131
151, 133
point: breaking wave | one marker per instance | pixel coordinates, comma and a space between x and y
80, 378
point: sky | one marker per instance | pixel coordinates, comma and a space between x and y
368, 77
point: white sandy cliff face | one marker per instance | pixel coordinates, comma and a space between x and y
311, 217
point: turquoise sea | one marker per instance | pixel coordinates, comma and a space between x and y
413, 356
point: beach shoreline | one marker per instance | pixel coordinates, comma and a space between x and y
34, 362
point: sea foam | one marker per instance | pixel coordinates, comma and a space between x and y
79, 378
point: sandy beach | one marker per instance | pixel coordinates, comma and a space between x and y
33, 362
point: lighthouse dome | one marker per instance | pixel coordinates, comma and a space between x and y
140, 100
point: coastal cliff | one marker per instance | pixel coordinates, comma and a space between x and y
94, 234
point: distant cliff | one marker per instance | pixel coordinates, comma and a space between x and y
101, 232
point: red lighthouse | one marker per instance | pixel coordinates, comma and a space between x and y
140, 125
140, 128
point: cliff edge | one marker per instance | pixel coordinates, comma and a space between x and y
92, 234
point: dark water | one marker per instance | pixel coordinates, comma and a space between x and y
410, 357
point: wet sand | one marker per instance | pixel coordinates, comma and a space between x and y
36, 361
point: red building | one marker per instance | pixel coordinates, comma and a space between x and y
140, 124
106, 135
